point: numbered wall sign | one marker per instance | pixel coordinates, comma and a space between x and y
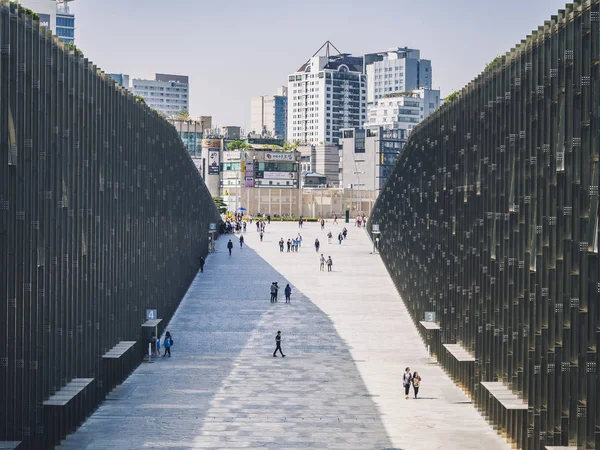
430, 316
212, 226
151, 314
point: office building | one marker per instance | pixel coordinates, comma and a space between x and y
396, 70
120, 78
325, 94
232, 133
323, 159
54, 15
402, 111
268, 114
168, 94
368, 157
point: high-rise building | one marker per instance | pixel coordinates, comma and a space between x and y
402, 111
121, 78
168, 94
396, 70
368, 157
55, 15
268, 114
325, 94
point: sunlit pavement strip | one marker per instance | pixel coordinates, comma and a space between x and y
347, 337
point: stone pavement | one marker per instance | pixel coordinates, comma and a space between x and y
347, 337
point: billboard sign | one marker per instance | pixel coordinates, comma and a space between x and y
211, 143
45, 20
279, 175
279, 156
198, 164
231, 156
213, 161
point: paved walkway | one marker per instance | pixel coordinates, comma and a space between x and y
347, 337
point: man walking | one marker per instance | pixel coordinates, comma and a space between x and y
322, 265
241, 241
201, 264
230, 246
329, 264
281, 243
273, 292
278, 343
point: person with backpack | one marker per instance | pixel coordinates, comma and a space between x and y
167, 344
288, 292
416, 382
406, 381
241, 241
230, 246
329, 264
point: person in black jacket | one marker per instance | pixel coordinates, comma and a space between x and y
230, 246
201, 264
278, 343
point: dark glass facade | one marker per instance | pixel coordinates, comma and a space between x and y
490, 220
102, 215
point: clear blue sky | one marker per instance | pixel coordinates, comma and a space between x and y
236, 49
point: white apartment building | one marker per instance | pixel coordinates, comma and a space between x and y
326, 94
168, 94
396, 70
402, 111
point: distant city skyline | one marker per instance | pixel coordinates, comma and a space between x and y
241, 52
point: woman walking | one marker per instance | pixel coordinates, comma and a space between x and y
406, 380
288, 292
416, 381
168, 342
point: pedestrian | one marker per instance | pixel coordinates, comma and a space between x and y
289, 244
278, 342
299, 239
261, 236
269, 219
281, 243
158, 346
416, 381
340, 238
406, 380
329, 263
322, 224
168, 343
230, 246
273, 292
201, 264
276, 290
329, 237
257, 225
241, 241
335, 219
317, 245
296, 244
300, 223
322, 263
288, 292
344, 232
244, 226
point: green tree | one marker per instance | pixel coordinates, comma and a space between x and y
141, 99
237, 145
182, 115
221, 205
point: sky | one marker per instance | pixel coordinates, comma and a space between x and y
233, 50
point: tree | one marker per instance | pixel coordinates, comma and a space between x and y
237, 145
182, 115
141, 99
220, 204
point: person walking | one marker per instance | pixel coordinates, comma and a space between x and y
329, 263
289, 244
158, 346
269, 219
261, 236
322, 224
230, 246
335, 219
278, 343
340, 238
202, 264
317, 244
299, 239
322, 263
281, 243
300, 223
288, 292
167, 344
406, 381
273, 292
296, 244
329, 237
241, 241
416, 381
153, 342
345, 232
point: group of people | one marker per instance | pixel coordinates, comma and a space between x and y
323, 262
155, 344
409, 379
292, 244
275, 290
360, 221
